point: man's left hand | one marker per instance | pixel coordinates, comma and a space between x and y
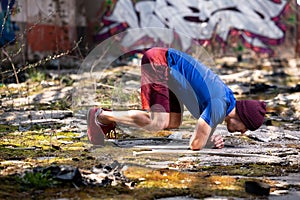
218, 141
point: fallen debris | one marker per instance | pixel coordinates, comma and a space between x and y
100, 175
257, 188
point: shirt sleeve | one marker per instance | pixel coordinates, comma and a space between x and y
214, 113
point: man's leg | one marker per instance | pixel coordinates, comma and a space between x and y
175, 120
164, 110
153, 121
155, 93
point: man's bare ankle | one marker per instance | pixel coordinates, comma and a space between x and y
102, 119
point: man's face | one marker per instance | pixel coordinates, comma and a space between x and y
235, 125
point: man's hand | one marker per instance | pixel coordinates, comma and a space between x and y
218, 141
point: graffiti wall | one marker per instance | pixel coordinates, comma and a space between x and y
54, 25
257, 23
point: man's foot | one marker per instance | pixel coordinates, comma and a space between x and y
96, 130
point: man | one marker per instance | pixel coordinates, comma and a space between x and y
169, 80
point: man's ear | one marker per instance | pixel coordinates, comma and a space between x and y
233, 113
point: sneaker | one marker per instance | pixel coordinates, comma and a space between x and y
96, 130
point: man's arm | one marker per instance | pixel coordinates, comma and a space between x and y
201, 135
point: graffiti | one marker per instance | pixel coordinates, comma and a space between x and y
8, 28
257, 22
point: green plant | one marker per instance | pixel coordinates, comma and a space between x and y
240, 48
61, 104
37, 180
37, 76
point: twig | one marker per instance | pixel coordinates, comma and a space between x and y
78, 49
105, 85
12, 64
15, 54
48, 58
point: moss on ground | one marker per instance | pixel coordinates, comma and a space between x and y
44, 145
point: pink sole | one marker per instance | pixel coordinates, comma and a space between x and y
95, 133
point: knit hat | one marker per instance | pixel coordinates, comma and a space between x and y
251, 112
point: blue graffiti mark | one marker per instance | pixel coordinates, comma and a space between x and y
8, 28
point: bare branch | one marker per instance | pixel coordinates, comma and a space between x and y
12, 64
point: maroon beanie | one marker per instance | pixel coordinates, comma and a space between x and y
251, 112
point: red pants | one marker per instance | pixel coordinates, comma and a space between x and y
154, 83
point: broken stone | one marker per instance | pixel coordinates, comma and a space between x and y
61, 173
257, 188
100, 175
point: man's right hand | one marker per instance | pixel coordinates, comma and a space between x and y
218, 141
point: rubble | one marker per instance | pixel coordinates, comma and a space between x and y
100, 175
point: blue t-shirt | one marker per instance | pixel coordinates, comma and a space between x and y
203, 93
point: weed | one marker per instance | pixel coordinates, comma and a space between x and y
37, 76
37, 180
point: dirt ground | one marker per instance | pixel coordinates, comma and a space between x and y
43, 124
